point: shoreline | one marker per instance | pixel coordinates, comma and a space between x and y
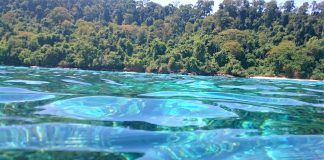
260, 77
283, 78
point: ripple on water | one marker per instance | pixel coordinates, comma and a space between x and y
229, 96
5, 72
13, 118
213, 144
15, 90
315, 90
285, 93
197, 120
72, 77
108, 81
185, 81
161, 112
76, 82
250, 108
15, 95
202, 85
251, 87
27, 82
196, 84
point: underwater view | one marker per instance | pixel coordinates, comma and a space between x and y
54, 114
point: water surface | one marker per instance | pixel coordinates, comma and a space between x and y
76, 114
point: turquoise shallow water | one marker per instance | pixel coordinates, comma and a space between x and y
73, 114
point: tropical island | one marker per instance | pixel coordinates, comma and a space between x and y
73, 84
241, 38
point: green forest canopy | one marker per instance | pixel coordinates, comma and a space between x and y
242, 38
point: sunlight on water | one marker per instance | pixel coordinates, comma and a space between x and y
75, 114
161, 112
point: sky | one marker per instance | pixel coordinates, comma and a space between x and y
217, 2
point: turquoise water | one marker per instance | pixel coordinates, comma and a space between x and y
74, 114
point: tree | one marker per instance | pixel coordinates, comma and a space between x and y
53, 55
3, 53
84, 54
199, 51
91, 13
234, 48
233, 67
302, 10
271, 13
315, 48
59, 14
243, 36
134, 64
230, 6
172, 65
281, 58
9, 17
111, 61
30, 58
289, 6
318, 72
157, 47
205, 7
192, 65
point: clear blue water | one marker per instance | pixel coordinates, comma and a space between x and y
75, 114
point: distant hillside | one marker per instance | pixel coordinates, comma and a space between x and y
241, 38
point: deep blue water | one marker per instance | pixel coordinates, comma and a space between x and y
75, 114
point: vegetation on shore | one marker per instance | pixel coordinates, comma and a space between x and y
242, 38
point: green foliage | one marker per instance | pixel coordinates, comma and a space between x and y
84, 54
172, 65
53, 55
233, 67
192, 64
199, 51
3, 53
134, 64
59, 14
233, 48
242, 38
318, 72
111, 61
315, 48
281, 58
157, 47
